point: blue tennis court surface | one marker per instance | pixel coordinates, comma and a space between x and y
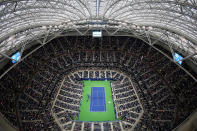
97, 102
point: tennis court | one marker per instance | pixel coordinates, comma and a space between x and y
97, 103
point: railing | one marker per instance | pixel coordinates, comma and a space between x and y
192, 118
97, 121
97, 79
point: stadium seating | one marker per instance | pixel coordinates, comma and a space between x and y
43, 92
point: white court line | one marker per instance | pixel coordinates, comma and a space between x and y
91, 101
104, 100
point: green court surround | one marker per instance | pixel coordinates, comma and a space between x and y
85, 114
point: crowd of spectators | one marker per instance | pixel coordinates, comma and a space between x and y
67, 104
29, 89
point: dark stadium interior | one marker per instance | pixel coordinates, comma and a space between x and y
167, 94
